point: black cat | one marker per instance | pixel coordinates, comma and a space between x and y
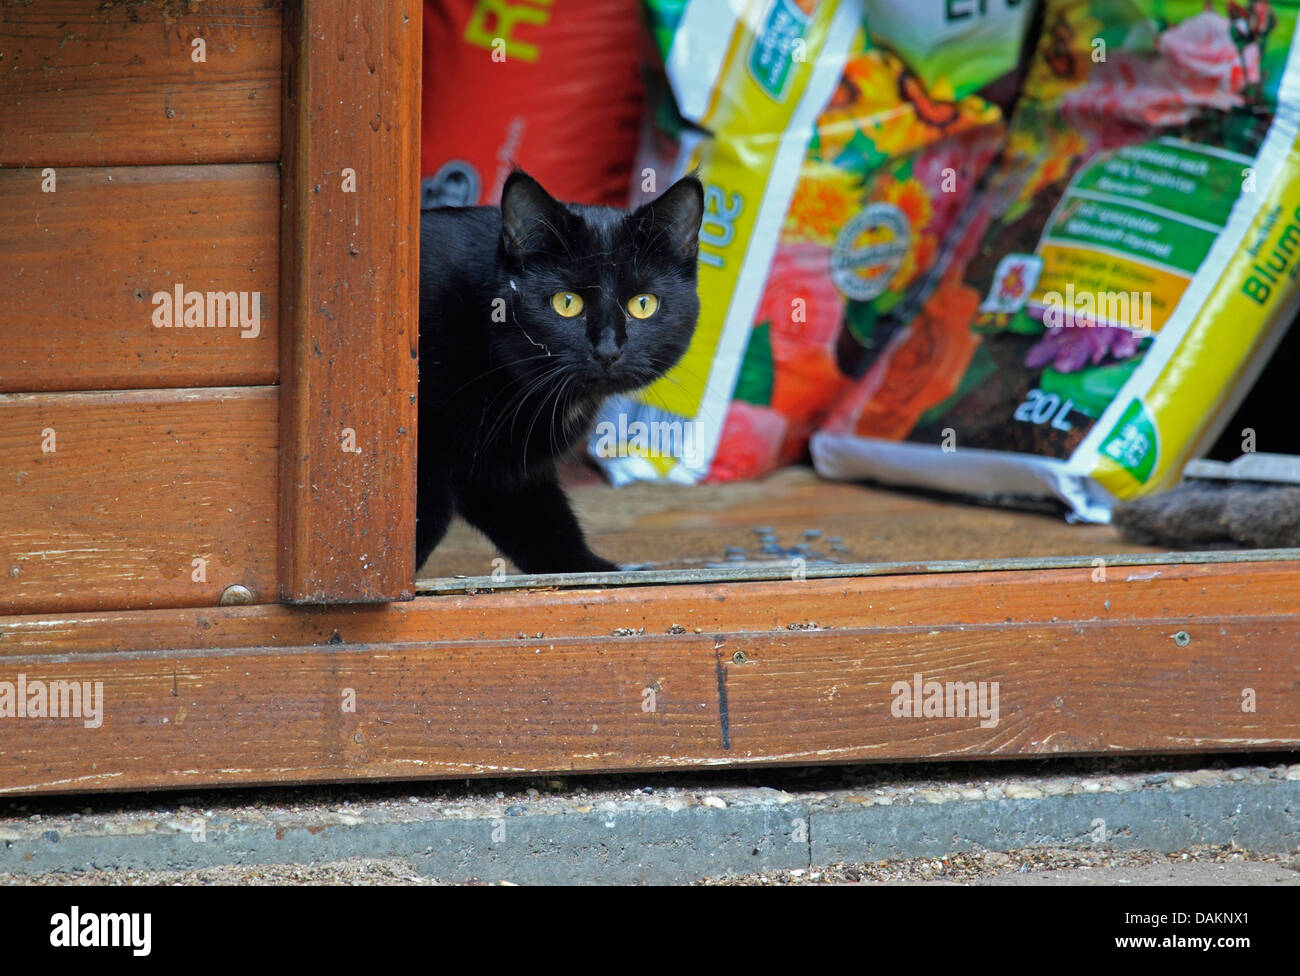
531, 314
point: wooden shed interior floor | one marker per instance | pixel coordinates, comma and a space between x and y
663, 526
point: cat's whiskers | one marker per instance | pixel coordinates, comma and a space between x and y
513, 415
488, 372
507, 414
555, 403
513, 382
555, 397
528, 383
563, 421
528, 378
667, 368
665, 372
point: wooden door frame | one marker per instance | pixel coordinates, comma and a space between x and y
350, 235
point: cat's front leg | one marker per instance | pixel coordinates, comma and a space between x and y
434, 510
533, 525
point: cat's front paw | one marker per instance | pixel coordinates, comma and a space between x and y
597, 564
576, 562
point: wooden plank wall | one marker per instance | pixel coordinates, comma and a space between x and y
80, 268
89, 83
155, 498
1155, 659
136, 161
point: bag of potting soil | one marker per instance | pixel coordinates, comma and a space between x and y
1117, 287
838, 142
552, 87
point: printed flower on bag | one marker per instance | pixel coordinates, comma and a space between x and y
950, 168
824, 199
805, 312
932, 165
1012, 287
806, 384
1201, 56
1251, 24
749, 445
1070, 349
925, 367
908, 196
884, 101
911, 198
1049, 164
1198, 66
1065, 51
800, 300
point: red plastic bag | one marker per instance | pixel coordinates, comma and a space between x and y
554, 87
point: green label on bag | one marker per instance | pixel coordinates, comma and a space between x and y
1133, 444
777, 47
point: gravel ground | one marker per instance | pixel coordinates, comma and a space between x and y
883, 785
358, 871
1030, 866
1205, 865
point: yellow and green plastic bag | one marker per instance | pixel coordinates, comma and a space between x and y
1122, 279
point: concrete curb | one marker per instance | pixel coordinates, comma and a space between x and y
678, 837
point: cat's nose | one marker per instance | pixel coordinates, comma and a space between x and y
606, 353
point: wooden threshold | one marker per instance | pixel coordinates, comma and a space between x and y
1155, 658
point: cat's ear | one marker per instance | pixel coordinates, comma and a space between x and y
529, 215
672, 220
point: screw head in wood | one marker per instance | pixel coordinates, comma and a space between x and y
1182, 638
235, 595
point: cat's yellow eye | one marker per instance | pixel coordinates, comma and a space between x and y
566, 303
642, 306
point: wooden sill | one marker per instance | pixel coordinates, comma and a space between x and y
1160, 657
